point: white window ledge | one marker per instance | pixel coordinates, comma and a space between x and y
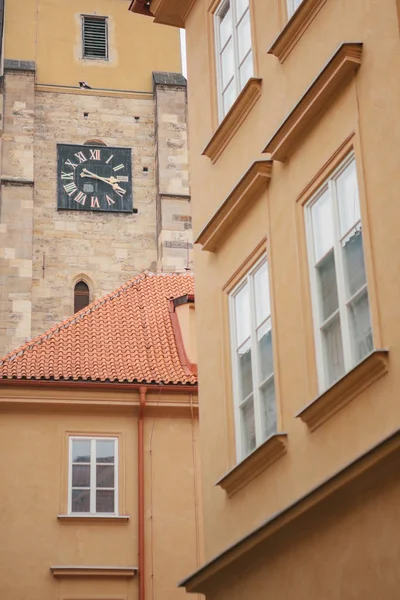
93, 518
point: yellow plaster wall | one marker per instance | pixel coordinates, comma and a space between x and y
49, 32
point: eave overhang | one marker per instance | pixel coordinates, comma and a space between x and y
166, 12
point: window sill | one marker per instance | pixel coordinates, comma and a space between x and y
295, 28
366, 372
233, 119
254, 464
93, 519
317, 99
78, 571
227, 216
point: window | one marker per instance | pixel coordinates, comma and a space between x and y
234, 53
81, 296
252, 357
292, 6
94, 37
338, 279
92, 476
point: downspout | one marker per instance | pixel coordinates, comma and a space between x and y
141, 541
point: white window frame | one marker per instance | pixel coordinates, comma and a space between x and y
92, 487
257, 384
329, 184
219, 49
292, 6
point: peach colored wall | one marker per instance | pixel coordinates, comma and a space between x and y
34, 479
187, 322
367, 107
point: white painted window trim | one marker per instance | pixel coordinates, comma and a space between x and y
248, 278
329, 184
291, 7
92, 488
218, 49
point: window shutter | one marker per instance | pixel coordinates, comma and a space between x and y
95, 42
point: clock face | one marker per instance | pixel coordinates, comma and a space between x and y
95, 178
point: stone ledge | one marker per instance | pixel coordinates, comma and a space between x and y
78, 571
96, 519
233, 119
345, 389
4, 180
254, 464
166, 78
19, 65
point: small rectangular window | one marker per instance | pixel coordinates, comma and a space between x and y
338, 277
252, 358
292, 6
234, 51
94, 37
93, 474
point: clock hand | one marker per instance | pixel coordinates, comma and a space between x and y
86, 173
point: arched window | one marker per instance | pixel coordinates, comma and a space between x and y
81, 296
94, 143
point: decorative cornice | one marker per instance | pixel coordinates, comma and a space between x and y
74, 571
254, 464
347, 480
226, 217
373, 367
95, 519
295, 28
318, 97
8, 180
233, 119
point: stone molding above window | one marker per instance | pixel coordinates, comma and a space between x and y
295, 28
254, 464
317, 99
227, 216
369, 370
233, 119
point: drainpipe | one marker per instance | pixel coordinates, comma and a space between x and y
141, 543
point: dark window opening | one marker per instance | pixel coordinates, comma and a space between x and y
95, 37
81, 296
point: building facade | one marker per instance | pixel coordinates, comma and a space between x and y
94, 176
293, 110
99, 419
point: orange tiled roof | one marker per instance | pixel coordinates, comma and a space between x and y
126, 336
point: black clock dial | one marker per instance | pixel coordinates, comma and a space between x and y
96, 178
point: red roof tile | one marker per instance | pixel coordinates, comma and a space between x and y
126, 336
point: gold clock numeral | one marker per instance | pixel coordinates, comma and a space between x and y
80, 198
81, 157
94, 202
110, 201
119, 167
120, 192
67, 175
109, 158
70, 188
122, 178
95, 155
71, 164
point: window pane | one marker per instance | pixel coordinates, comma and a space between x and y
327, 286
347, 192
322, 224
105, 451
333, 351
265, 357
261, 290
105, 501
241, 6
229, 97
81, 501
242, 314
353, 259
81, 451
268, 409
105, 476
246, 70
227, 64
225, 27
248, 427
245, 375
244, 36
361, 329
80, 475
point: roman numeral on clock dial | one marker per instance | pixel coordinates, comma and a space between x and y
123, 178
95, 155
81, 157
70, 188
67, 176
119, 167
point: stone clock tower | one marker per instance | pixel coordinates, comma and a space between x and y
94, 173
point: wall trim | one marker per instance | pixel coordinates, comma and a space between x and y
84, 571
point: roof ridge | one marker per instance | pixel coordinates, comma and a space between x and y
96, 304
